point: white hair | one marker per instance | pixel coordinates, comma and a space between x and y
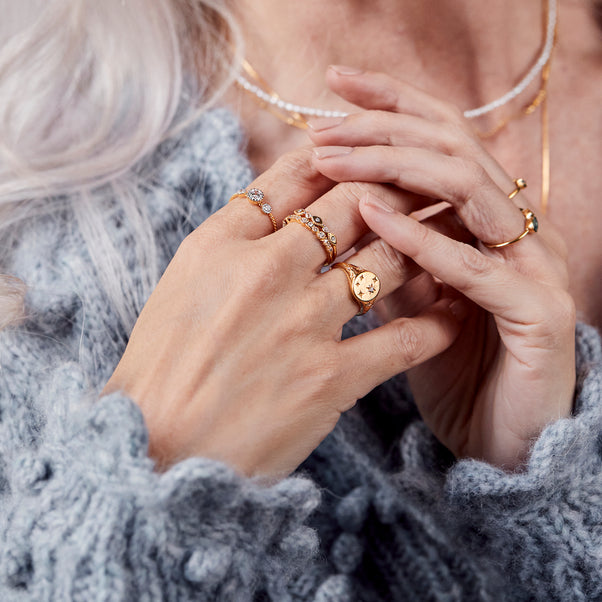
88, 88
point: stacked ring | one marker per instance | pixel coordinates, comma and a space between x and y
363, 285
255, 197
315, 224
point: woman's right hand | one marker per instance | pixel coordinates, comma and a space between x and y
237, 354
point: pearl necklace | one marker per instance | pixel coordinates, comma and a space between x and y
297, 115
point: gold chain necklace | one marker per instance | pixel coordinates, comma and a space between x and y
297, 116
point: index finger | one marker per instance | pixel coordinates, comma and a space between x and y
494, 285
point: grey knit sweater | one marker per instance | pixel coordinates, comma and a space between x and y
380, 511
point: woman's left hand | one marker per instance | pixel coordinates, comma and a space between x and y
512, 369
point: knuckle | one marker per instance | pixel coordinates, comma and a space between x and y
423, 236
345, 198
459, 140
454, 114
473, 262
390, 99
350, 191
408, 342
298, 165
390, 258
476, 176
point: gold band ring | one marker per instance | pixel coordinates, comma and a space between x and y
363, 285
531, 225
519, 184
255, 197
315, 224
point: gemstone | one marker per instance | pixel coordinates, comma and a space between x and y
332, 238
314, 228
535, 224
321, 235
255, 195
317, 219
299, 211
325, 229
266, 208
308, 215
304, 220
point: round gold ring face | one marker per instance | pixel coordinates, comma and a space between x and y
366, 287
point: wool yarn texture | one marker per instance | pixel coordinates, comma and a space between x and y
379, 511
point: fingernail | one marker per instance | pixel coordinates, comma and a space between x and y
377, 204
344, 70
459, 309
324, 152
324, 123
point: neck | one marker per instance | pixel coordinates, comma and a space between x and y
465, 50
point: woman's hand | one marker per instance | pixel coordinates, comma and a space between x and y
511, 371
237, 354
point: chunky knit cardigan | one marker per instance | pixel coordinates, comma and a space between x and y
380, 511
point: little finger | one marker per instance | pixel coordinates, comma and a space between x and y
382, 353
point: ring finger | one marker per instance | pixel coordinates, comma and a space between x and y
392, 268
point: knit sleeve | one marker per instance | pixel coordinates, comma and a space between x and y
541, 528
83, 516
412, 523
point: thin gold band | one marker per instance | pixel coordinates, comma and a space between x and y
531, 225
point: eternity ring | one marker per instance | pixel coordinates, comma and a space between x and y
315, 224
531, 225
363, 284
255, 197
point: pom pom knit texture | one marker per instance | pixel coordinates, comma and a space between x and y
380, 511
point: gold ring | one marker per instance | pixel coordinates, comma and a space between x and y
363, 284
315, 224
255, 197
519, 184
531, 225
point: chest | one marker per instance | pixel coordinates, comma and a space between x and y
575, 202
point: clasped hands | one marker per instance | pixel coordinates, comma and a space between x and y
237, 354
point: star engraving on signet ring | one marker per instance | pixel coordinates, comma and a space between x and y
366, 286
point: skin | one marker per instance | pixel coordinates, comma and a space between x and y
468, 53
237, 354
496, 326
517, 343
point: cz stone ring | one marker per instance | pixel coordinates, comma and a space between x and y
256, 197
